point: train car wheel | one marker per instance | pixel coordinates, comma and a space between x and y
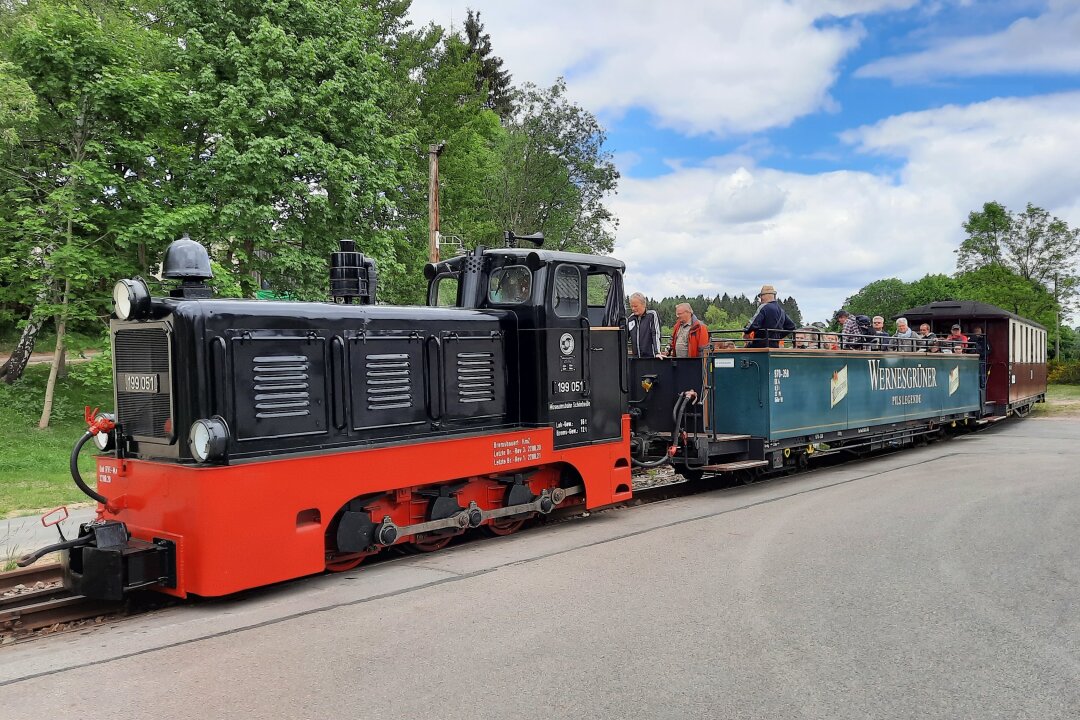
430, 544
344, 562
503, 526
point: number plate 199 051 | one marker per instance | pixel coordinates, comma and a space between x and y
137, 382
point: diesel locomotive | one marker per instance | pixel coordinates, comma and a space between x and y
258, 441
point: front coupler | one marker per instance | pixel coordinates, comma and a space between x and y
112, 563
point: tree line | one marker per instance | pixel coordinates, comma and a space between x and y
268, 132
720, 312
1024, 262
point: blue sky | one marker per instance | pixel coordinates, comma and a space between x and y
816, 145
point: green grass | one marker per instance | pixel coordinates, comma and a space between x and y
1060, 400
34, 463
75, 342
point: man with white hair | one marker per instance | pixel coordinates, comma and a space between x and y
906, 337
644, 327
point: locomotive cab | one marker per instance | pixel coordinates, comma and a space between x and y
571, 332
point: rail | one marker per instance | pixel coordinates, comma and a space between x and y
33, 599
814, 338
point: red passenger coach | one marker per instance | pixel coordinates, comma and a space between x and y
1012, 351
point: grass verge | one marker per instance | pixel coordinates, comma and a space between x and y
1061, 401
34, 463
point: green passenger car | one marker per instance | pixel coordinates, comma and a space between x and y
782, 394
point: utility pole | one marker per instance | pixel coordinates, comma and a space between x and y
433, 200
1057, 321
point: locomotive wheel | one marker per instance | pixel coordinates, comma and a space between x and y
503, 526
344, 562
430, 544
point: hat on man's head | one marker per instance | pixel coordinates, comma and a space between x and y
767, 290
842, 313
956, 327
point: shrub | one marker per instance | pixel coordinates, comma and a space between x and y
1065, 372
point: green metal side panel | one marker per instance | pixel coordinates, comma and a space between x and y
783, 394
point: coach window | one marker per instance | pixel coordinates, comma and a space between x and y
598, 290
566, 293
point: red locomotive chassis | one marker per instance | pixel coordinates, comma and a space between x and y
255, 523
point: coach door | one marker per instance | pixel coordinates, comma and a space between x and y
607, 352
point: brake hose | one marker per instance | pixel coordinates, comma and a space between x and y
678, 413
77, 477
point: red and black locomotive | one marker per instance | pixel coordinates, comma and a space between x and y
257, 441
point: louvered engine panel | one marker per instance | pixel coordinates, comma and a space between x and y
280, 388
387, 381
474, 376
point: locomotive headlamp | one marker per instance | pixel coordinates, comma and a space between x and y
131, 299
207, 439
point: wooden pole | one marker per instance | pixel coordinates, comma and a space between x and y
433, 200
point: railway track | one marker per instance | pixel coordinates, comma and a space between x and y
32, 600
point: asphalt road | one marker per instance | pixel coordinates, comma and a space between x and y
940, 582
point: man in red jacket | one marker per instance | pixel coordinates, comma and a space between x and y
690, 336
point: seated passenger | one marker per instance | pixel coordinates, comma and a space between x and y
806, 338
957, 340
829, 341
879, 337
905, 337
925, 336
690, 337
719, 345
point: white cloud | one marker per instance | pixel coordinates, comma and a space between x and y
701, 67
832, 233
1048, 43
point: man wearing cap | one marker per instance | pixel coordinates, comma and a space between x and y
850, 335
957, 339
770, 323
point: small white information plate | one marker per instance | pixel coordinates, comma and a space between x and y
724, 362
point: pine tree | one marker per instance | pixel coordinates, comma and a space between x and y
491, 74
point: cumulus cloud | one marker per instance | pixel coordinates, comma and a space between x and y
832, 233
1048, 43
699, 67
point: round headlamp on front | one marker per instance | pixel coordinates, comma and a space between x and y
131, 299
208, 439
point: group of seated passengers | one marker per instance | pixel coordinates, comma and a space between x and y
854, 336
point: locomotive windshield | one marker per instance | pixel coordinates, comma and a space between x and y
511, 285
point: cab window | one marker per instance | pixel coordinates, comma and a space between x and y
444, 291
566, 292
510, 285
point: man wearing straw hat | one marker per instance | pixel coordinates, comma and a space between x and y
770, 324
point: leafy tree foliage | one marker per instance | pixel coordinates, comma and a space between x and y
268, 132
553, 173
491, 79
1031, 244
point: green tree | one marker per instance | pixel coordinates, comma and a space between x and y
300, 135
1000, 286
1031, 244
554, 173
888, 298
79, 163
490, 77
